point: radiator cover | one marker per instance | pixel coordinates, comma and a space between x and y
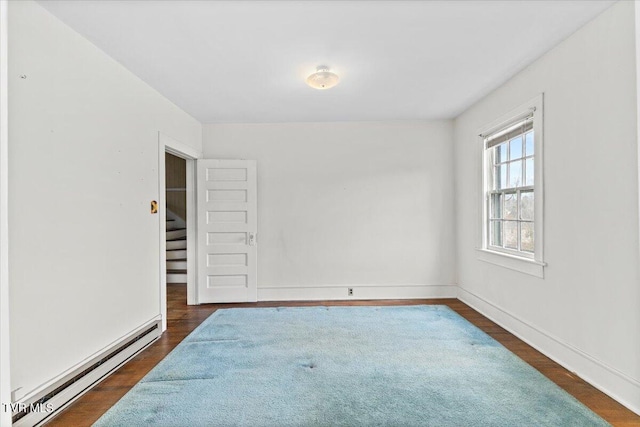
41, 406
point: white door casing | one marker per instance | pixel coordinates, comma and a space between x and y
227, 230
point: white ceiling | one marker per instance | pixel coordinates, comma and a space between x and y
246, 61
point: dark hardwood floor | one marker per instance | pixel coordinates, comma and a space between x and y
182, 319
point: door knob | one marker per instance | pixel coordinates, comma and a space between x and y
252, 239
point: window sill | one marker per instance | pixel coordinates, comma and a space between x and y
523, 265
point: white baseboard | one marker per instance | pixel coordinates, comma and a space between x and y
360, 292
610, 381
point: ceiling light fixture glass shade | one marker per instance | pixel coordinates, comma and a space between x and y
323, 78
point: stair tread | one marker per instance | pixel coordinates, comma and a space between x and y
177, 260
177, 239
182, 245
176, 271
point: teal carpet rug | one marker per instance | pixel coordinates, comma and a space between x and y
344, 366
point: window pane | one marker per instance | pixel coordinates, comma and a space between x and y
526, 230
511, 206
526, 205
515, 174
501, 153
499, 177
530, 170
496, 206
515, 148
495, 233
511, 234
529, 144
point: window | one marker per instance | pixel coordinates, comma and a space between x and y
512, 189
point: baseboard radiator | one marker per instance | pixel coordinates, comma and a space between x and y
36, 409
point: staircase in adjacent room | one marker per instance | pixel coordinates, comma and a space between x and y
176, 249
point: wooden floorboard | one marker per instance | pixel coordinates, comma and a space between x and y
183, 319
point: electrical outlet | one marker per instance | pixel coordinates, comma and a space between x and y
350, 290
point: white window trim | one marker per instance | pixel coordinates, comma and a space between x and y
533, 266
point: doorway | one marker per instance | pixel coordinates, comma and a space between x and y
176, 177
176, 219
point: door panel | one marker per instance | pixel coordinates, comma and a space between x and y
227, 227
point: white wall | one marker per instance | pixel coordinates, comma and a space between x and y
5, 367
83, 169
585, 312
348, 204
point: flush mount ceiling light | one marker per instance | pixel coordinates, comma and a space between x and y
322, 78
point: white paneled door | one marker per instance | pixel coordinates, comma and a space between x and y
227, 230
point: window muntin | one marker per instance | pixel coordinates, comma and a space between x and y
510, 160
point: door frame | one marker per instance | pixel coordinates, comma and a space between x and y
166, 144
